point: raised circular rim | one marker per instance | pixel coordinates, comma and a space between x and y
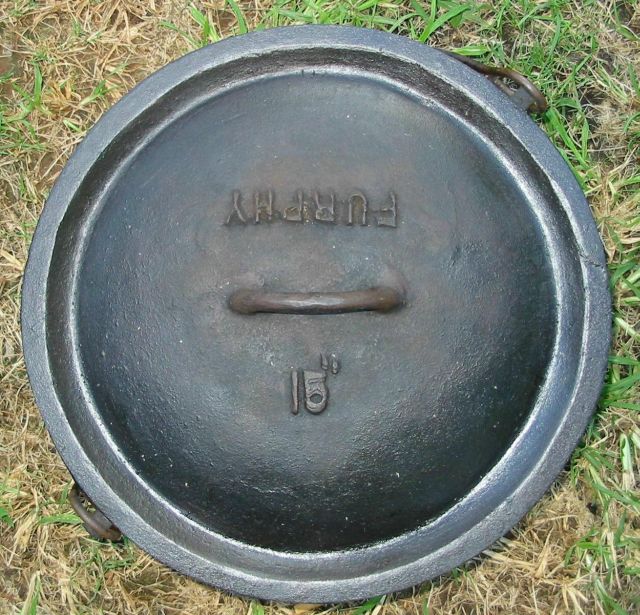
593, 355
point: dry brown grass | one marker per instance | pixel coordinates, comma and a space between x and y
90, 53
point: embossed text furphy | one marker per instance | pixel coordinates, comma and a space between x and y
354, 209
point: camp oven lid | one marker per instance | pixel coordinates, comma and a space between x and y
315, 313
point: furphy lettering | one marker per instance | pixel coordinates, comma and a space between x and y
354, 209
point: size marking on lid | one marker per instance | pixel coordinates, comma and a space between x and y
310, 385
354, 209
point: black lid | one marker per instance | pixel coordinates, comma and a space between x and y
315, 313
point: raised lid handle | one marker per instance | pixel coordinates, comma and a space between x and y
376, 299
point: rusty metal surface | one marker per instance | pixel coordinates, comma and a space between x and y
188, 329
377, 298
526, 95
94, 521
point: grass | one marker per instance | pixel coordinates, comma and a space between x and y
63, 64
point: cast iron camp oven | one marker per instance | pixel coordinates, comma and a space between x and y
316, 313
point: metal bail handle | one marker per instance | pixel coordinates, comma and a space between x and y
526, 96
94, 522
376, 299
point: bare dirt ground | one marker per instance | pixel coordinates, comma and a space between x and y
63, 63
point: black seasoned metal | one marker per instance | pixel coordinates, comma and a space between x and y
316, 313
